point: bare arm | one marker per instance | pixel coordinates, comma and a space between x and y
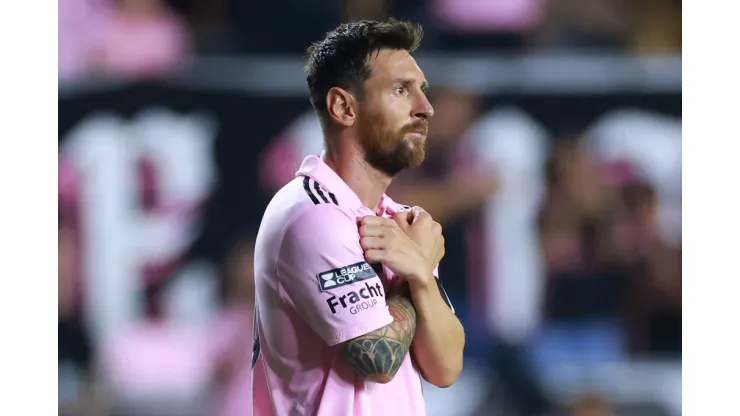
440, 337
439, 343
378, 355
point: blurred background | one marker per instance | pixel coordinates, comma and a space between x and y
554, 165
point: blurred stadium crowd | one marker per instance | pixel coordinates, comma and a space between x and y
561, 207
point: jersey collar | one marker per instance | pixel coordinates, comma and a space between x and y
314, 167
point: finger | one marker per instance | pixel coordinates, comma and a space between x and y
421, 216
368, 243
375, 220
436, 227
403, 218
372, 230
375, 255
417, 211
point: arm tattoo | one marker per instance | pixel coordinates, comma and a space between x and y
382, 351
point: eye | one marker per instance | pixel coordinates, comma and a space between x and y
401, 90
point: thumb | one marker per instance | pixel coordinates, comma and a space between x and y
404, 219
415, 211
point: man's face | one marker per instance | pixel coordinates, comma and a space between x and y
392, 119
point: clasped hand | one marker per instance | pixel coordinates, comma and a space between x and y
410, 244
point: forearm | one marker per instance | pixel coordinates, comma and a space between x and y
440, 337
378, 355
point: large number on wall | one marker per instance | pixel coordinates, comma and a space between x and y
129, 224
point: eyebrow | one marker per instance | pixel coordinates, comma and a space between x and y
406, 82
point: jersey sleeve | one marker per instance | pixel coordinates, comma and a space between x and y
324, 274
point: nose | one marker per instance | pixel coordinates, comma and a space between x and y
423, 109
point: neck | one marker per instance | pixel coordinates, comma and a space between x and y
368, 183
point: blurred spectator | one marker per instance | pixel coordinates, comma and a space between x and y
484, 24
76, 35
646, 146
139, 39
584, 24
641, 152
641, 26
507, 282
233, 334
656, 282
586, 283
506, 269
657, 27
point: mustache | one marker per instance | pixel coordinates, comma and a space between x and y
421, 126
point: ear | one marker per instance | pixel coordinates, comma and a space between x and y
341, 106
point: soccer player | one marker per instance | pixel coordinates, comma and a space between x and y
349, 310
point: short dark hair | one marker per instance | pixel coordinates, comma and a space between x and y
340, 59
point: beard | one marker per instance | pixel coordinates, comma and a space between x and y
389, 150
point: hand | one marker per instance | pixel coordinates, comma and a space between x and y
424, 231
384, 241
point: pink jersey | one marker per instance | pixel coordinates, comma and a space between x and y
314, 290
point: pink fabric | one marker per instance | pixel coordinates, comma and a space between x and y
620, 172
143, 47
75, 33
488, 15
301, 243
158, 358
277, 164
68, 181
232, 345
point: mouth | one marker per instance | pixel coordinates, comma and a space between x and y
420, 134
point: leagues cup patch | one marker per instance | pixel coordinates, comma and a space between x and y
332, 279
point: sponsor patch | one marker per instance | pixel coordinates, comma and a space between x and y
357, 301
378, 267
332, 279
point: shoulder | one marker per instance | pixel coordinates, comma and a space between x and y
302, 196
317, 235
304, 208
321, 219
